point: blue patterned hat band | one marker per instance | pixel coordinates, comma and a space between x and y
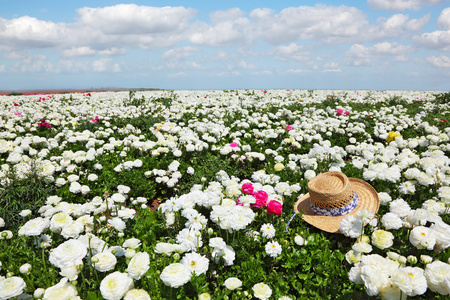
335, 212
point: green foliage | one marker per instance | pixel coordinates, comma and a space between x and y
28, 193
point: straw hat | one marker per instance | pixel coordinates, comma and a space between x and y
332, 196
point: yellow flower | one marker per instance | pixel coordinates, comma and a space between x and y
278, 167
392, 136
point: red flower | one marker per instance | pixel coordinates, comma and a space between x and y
274, 207
15, 104
261, 199
247, 188
443, 120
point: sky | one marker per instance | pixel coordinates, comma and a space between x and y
202, 45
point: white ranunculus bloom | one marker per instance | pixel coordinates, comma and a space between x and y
262, 291
132, 243
117, 223
138, 265
437, 274
11, 287
136, 294
232, 283
104, 261
35, 227
195, 262
115, 285
273, 249
422, 237
69, 253
175, 275
61, 291
59, 220
382, 239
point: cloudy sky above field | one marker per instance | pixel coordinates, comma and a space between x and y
373, 44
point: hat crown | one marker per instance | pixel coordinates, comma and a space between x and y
330, 190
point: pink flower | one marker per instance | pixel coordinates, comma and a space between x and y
234, 145
17, 113
247, 188
346, 112
274, 207
261, 199
339, 112
288, 127
94, 120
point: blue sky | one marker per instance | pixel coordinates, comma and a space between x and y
373, 44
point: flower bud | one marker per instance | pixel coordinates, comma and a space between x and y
402, 260
412, 259
129, 253
176, 256
426, 259
25, 268
38, 293
197, 234
393, 255
210, 231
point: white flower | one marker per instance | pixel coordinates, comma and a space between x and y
59, 220
35, 226
195, 262
442, 233
168, 248
114, 286
132, 243
353, 257
61, 291
117, 223
399, 207
267, 231
2, 223
418, 281
118, 198
175, 275
391, 221
25, 212
25, 268
232, 283
11, 287
71, 273
136, 294
273, 249
75, 187
104, 261
362, 247
92, 177
262, 291
437, 274
401, 279
309, 174
351, 226
138, 265
382, 239
299, 240
72, 230
385, 198
422, 237
69, 253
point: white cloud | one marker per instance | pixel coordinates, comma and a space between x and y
439, 40
131, 19
244, 65
2, 68
296, 71
27, 32
34, 63
179, 53
444, 19
396, 25
402, 4
291, 52
79, 51
101, 65
229, 28
439, 61
328, 23
359, 54
113, 51
179, 74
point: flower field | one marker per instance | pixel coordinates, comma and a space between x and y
190, 195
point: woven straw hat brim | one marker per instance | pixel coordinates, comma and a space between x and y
368, 199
